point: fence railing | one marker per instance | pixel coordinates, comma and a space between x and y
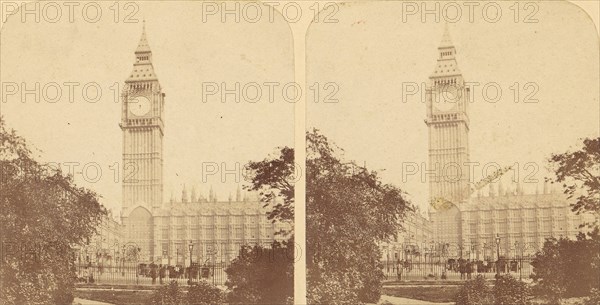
520, 268
142, 274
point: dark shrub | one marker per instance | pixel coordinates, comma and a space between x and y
510, 291
262, 275
204, 293
594, 298
169, 294
566, 268
372, 275
475, 292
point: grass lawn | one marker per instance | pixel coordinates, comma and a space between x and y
431, 294
116, 296
442, 294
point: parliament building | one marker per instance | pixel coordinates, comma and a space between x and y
163, 231
469, 219
464, 220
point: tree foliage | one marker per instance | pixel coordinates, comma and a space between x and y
567, 268
168, 294
510, 291
42, 216
579, 173
507, 290
475, 292
203, 293
262, 275
348, 211
274, 179
593, 298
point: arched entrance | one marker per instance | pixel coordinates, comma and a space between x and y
140, 231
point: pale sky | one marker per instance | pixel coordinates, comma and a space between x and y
186, 53
370, 53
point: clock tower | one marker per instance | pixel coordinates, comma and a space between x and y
448, 123
143, 129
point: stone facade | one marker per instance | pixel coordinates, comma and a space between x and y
470, 224
164, 231
104, 246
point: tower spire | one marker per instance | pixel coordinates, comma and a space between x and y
142, 68
446, 39
143, 46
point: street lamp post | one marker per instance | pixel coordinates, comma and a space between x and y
484, 250
519, 255
123, 261
116, 254
190, 247
497, 255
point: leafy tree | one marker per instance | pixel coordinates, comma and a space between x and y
579, 171
348, 211
567, 268
274, 179
262, 275
42, 216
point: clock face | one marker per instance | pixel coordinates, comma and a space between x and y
446, 98
139, 105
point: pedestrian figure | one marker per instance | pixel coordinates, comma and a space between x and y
469, 267
161, 273
153, 272
399, 269
461, 268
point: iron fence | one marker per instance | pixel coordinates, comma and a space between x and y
454, 269
145, 274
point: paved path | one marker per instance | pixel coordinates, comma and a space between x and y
405, 301
79, 301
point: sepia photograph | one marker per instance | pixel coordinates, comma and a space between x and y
300, 152
140, 146
457, 160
